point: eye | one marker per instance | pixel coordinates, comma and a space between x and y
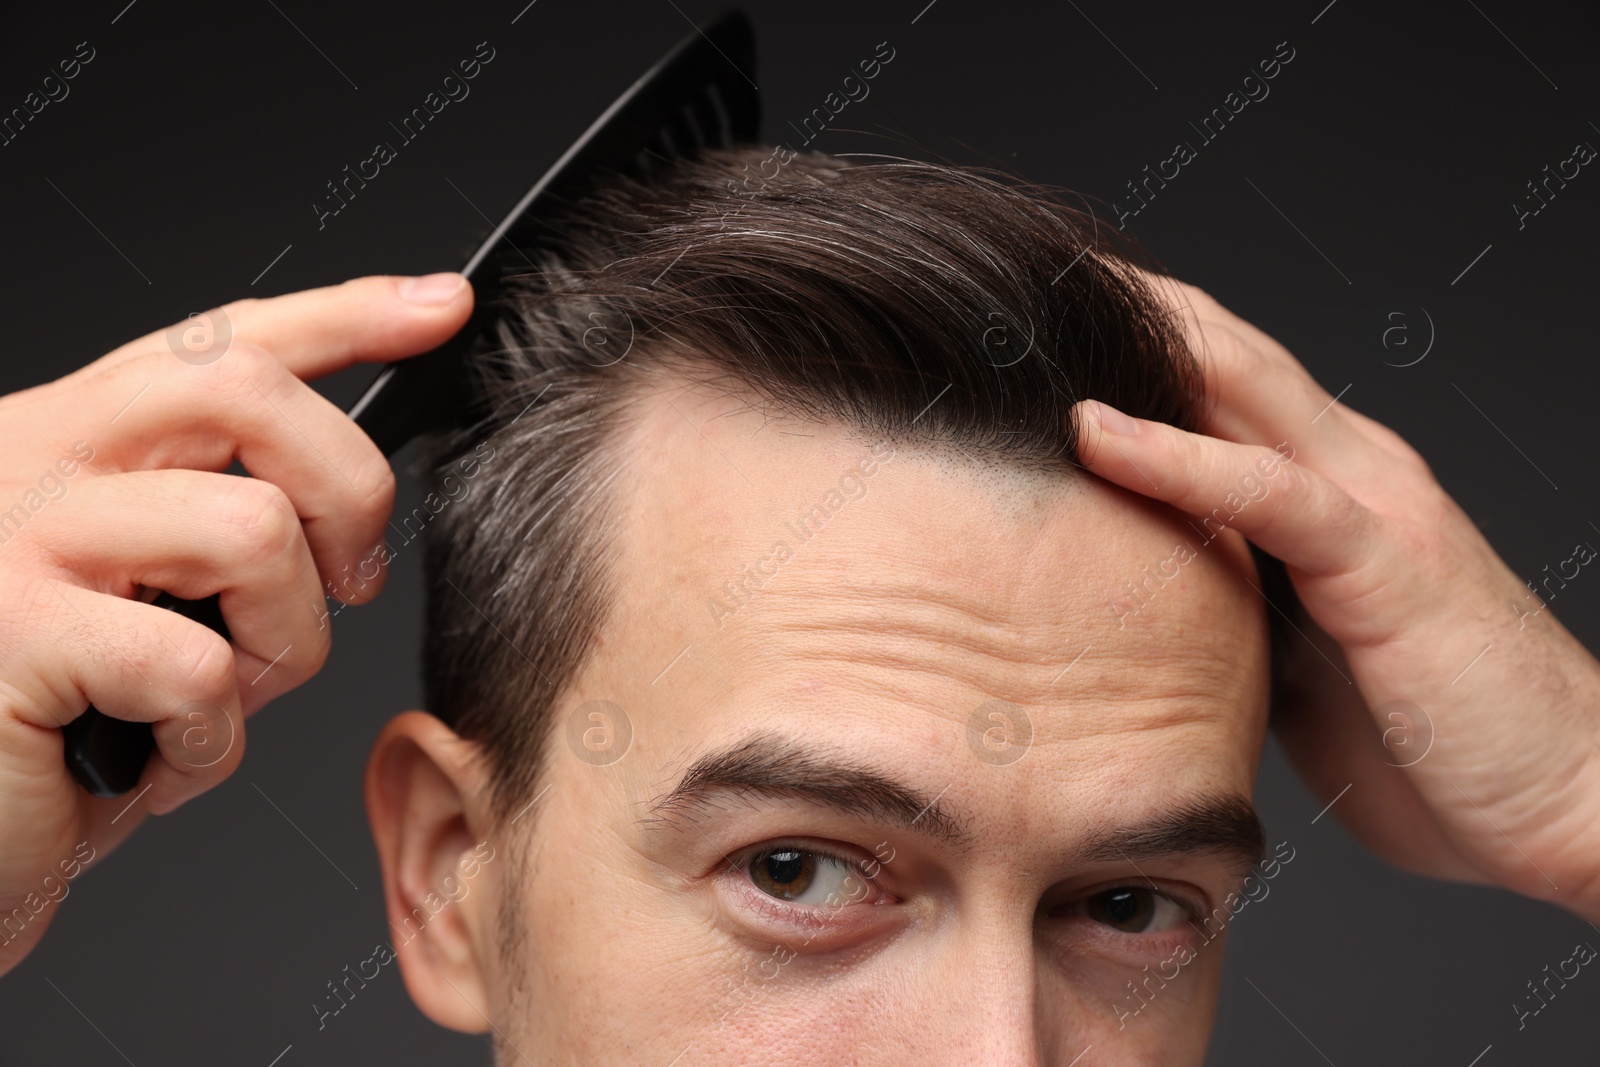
1135, 910
806, 876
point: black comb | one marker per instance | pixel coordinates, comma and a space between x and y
701, 94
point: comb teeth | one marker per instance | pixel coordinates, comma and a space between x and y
664, 143
723, 124
691, 124
430, 391
719, 109
704, 122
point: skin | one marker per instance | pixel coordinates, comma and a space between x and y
145, 507
1491, 774
1400, 592
944, 584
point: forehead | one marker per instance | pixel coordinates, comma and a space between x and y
778, 574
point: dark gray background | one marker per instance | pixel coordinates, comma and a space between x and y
190, 150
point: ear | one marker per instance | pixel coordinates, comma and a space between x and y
424, 786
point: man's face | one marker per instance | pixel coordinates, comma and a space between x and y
902, 785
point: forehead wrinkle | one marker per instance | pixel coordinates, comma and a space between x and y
1064, 726
913, 695
909, 628
925, 636
896, 600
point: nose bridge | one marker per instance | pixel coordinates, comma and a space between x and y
984, 993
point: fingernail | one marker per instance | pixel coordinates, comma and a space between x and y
1114, 421
432, 288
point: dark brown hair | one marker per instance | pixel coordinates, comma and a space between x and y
920, 302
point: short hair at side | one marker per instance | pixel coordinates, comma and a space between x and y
919, 302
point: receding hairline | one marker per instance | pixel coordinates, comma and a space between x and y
710, 378
909, 331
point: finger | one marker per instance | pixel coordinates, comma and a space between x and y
318, 331
247, 406
1261, 393
1293, 513
195, 534
1358, 761
136, 662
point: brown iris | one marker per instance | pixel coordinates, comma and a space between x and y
785, 873
1125, 908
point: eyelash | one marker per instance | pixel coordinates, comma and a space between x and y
1190, 909
813, 917
1143, 945
818, 920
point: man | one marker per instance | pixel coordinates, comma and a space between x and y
842, 627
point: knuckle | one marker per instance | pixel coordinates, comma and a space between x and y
362, 290
317, 653
1408, 456
374, 488
305, 657
1188, 461
1291, 495
242, 307
205, 665
262, 518
249, 374
239, 314
260, 367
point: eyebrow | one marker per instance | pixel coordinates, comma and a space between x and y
770, 766
1226, 825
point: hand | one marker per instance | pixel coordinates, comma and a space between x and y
1504, 787
110, 491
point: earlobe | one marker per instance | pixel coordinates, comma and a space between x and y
423, 788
